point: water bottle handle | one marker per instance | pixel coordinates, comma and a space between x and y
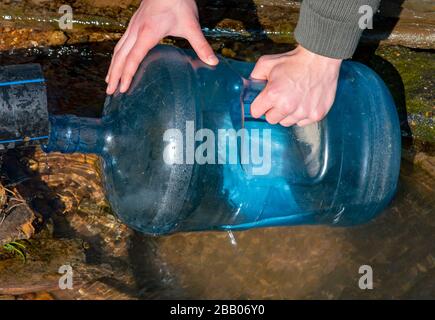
252, 88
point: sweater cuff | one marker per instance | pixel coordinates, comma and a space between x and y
325, 36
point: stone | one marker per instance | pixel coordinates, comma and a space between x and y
16, 220
57, 38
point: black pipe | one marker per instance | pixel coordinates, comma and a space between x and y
23, 106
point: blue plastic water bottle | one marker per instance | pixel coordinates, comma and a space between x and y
180, 151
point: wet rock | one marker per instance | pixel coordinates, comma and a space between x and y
57, 38
16, 218
410, 24
230, 25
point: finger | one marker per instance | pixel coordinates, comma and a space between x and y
143, 45
274, 115
118, 64
121, 42
118, 47
202, 47
305, 122
261, 104
262, 68
289, 121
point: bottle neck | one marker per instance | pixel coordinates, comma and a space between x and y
72, 134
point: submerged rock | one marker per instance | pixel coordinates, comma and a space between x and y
16, 218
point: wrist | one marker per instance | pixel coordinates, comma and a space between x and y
313, 57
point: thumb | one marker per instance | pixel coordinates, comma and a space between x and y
202, 48
262, 68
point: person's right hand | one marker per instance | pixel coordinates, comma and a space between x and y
154, 20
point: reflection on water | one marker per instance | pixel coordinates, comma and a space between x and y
286, 262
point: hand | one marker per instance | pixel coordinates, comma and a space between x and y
300, 90
154, 20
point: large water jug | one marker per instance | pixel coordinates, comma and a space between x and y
181, 152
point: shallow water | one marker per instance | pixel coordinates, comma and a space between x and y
315, 262
287, 262
279, 263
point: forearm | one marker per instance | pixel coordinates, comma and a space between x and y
330, 27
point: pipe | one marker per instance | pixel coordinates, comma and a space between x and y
23, 106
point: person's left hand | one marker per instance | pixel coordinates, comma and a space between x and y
300, 89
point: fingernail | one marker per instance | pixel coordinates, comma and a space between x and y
212, 60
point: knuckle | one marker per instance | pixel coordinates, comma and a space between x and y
145, 27
316, 115
287, 108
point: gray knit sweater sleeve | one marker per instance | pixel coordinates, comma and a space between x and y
330, 27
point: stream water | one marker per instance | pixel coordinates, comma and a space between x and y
279, 263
